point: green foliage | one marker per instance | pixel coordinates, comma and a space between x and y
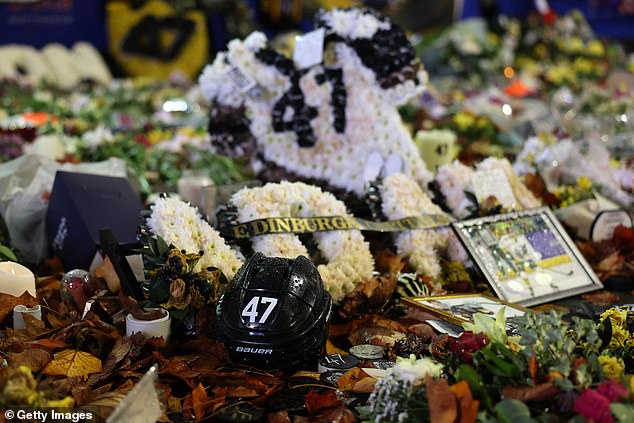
222, 170
624, 413
513, 411
6, 254
546, 336
397, 400
494, 329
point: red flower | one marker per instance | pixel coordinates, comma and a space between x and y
467, 344
592, 405
550, 17
142, 139
613, 391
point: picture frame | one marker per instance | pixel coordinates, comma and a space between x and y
527, 256
460, 308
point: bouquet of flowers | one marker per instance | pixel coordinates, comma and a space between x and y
538, 367
187, 262
400, 396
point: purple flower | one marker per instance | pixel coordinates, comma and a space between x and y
10, 146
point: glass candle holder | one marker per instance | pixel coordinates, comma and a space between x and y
73, 284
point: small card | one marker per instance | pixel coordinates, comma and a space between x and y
449, 328
604, 224
241, 80
493, 182
309, 48
135, 261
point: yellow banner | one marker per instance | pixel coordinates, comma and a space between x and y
301, 225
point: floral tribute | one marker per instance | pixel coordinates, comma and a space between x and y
187, 263
179, 224
402, 197
400, 395
580, 164
323, 122
549, 369
347, 254
456, 186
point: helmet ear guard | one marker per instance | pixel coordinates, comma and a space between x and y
275, 313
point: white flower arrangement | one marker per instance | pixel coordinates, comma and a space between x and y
399, 391
348, 255
525, 160
402, 197
179, 224
413, 370
564, 162
354, 23
338, 156
454, 179
624, 175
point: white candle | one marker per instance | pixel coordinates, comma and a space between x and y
18, 315
150, 328
15, 279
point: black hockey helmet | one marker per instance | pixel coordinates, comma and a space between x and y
275, 313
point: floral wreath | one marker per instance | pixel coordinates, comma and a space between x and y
263, 104
347, 253
402, 197
179, 224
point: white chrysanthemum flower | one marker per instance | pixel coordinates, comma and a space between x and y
255, 41
525, 160
454, 179
354, 23
179, 224
455, 249
347, 253
338, 20
366, 26
216, 85
402, 197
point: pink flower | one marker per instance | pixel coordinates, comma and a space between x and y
592, 405
613, 391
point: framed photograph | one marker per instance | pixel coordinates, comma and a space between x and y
461, 308
527, 257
